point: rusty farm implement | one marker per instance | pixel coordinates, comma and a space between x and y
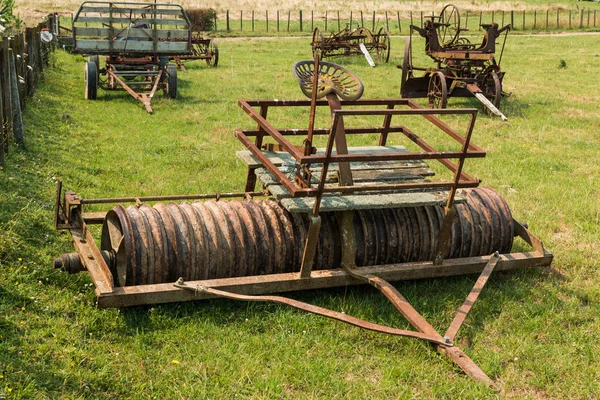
136, 41
359, 41
462, 68
330, 216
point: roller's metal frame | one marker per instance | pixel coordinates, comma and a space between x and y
347, 42
70, 215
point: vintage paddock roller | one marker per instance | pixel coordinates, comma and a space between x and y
335, 216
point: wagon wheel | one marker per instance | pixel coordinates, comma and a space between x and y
437, 92
170, 88
90, 77
492, 89
317, 42
212, 50
333, 78
383, 44
450, 25
406, 65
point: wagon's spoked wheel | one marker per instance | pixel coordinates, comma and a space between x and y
212, 50
450, 25
332, 78
492, 89
438, 90
383, 45
317, 42
406, 65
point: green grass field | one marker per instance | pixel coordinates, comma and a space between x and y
535, 332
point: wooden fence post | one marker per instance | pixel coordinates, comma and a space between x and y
17, 120
277, 20
558, 18
512, 19
399, 26
338, 16
523, 19
350, 20
467, 20
373, 22
289, 15
312, 21
581, 18
300, 20
570, 17
547, 14
252, 20
387, 23
480, 17
227, 19
267, 19
325, 20
241, 20
362, 22
534, 19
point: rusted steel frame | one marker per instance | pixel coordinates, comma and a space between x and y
412, 111
310, 246
313, 106
270, 129
387, 121
472, 297
325, 131
389, 156
312, 238
251, 175
341, 146
444, 127
287, 282
267, 163
174, 197
396, 186
324, 312
427, 147
142, 97
92, 259
466, 55
323, 103
449, 210
421, 324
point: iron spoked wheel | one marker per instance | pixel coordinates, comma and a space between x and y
317, 42
333, 78
450, 20
170, 89
492, 89
437, 92
90, 77
406, 64
383, 45
212, 50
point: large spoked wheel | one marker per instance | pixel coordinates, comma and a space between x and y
212, 50
492, 89
90, 77
406, 65
333, 78
450, 25
317, 42
170, 89
438, 90
383, 45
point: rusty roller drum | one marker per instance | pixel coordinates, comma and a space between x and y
222, 239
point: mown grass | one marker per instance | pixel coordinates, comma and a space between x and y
536, 332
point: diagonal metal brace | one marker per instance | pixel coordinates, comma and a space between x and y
435, 339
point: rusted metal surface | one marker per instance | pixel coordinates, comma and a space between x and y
279, 136
347, 42
220, 239
435, 339
462, 68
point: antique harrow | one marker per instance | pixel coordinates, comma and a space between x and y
332, 216
349, 42
462, 69
137, 40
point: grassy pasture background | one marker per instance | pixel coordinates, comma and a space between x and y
536, 332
